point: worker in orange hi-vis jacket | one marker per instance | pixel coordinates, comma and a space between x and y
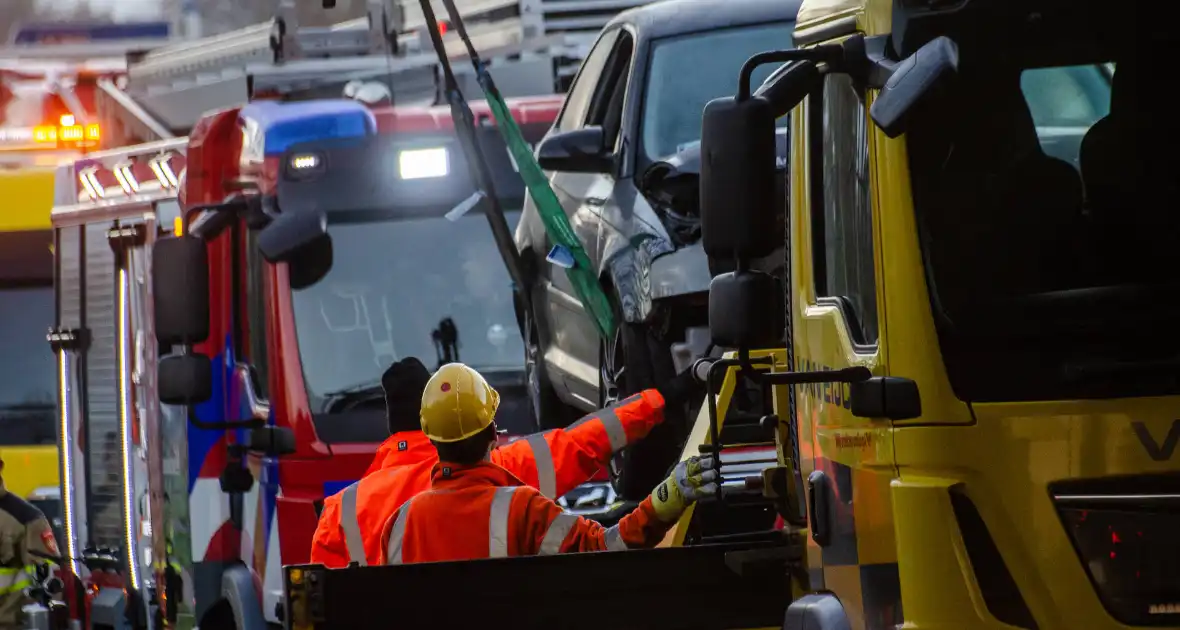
477, 509
553, 462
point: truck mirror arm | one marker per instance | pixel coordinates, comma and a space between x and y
228, 425
760, 370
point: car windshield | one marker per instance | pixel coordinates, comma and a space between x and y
393, 287
1048, 237
27, 376
672, 106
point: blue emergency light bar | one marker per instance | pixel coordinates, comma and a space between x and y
72, 32
279, 126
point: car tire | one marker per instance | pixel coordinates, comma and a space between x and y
646, 361
548, 410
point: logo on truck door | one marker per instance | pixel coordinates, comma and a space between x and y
1159, 451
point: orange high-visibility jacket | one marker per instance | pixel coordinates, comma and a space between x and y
483, 511
555, 462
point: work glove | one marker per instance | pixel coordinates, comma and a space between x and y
692, 479
682, 389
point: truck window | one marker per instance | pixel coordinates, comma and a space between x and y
256, 312
577, 102
841, 216
672, 105
1050, 257
1062, 101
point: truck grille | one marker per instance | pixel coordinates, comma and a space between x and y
1126, 538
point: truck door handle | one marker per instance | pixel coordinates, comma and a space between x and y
595, 201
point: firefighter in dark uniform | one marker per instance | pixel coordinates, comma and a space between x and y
23, 530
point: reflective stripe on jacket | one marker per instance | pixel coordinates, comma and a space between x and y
15, 580
482, 511
555, 462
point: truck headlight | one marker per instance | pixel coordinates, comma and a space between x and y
423, 163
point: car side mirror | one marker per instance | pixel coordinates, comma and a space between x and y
578, 151
738, 163
180, 287
185, 379
302, 240
913, 83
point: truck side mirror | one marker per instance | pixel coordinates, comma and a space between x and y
738, 157
914, 82
180, 287
746, 310
185, 379
301, 239
578, 151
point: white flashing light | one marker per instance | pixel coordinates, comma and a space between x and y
305, 161
423, 163
126, 179
89, 180
163, 171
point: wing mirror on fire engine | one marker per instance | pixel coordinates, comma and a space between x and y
184, 379
300, 239
180, 288
578, 151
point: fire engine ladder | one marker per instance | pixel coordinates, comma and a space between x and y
174, 85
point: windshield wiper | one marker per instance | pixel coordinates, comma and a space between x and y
362, 392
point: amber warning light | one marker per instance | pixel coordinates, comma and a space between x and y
68, 132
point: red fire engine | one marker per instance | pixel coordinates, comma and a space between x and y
271, 359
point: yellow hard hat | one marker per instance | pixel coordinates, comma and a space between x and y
457, 404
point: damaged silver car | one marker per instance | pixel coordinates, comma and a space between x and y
623, 158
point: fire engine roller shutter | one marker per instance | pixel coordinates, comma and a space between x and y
104, 459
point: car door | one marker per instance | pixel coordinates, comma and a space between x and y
572, 347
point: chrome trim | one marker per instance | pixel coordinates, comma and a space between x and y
152, 435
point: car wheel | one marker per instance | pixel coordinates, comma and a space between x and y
548, 410
635, 360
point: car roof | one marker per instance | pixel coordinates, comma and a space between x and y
668, 18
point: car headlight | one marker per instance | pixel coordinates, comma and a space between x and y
423, 163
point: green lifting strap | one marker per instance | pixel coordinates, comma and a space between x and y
582, 274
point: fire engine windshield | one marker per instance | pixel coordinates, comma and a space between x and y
395, 287
1049, 234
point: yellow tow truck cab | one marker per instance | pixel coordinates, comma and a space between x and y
978, 394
